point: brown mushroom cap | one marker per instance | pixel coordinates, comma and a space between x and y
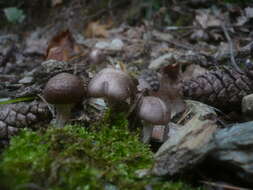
112, 84
64, 88
153, 110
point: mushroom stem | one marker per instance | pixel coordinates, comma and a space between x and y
146, 133
63, 112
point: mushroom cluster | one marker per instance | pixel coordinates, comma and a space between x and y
65, 90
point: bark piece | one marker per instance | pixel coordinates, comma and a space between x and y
188, 146
233, 153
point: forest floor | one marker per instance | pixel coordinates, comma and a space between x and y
195, 35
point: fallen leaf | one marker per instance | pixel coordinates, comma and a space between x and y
96, 29
241, 20
114, 45
206, 19
162, 36
249, 12
57, 53
36, 44
62, 47
170, 89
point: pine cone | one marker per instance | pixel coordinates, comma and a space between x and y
151, 78
221, 88
21, 115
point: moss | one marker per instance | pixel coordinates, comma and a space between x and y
105, 156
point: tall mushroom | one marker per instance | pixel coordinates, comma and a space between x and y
154, 111
63, 91
114, 85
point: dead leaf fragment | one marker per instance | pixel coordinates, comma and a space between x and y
200, 35
170, 88
249, 12
57, 53
95, 29
206, 19
62, 47
36, 44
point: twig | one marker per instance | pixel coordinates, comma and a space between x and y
231, 48
184, 116
173, 42
134, 105
173, 28
223, 186
169, 28
49, 107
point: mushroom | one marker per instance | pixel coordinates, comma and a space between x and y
154, 111
249, 68
114, 85
96, 56
63, 91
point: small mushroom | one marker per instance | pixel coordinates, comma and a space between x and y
154, 111
63, 91
114, 85
249, 68
96, 56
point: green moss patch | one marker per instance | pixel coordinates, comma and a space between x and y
105, 156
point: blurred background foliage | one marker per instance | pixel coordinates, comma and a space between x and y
16, 11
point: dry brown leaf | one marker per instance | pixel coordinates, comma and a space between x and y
58, 53
96, 29
62, 47
170, 88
